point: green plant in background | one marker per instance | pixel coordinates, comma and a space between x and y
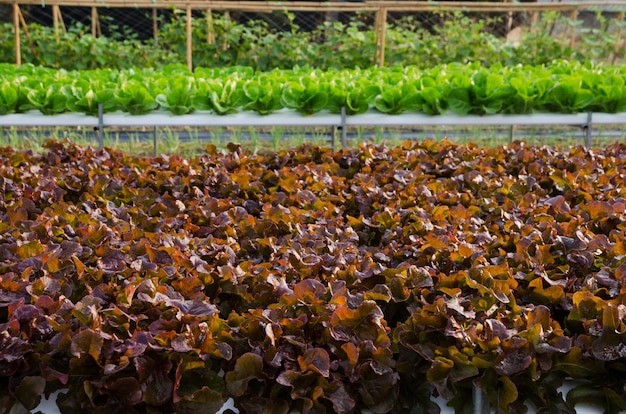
172, 143
277, 137
298, 138
351, 44
343, 45
540, 46
378, 135
600, 42
254, 139
216, 137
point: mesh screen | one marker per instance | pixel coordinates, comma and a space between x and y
340, 30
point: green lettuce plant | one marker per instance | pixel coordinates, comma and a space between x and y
463, 89
133, 97
305, 95
178, 95
8, 97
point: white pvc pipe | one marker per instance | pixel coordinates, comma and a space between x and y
287, 117
36, 118
203, 119
415, 119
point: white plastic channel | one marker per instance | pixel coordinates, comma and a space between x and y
416, 119
37, 119
287, 117
204, 119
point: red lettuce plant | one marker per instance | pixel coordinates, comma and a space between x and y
367, 279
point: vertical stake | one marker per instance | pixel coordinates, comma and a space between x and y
511, 134
509, 22
225, 45
57, 19
100, 127
16, 28
155, 26
25, 28
380, 30
620, 19
573, 17
333, 138
534, 20
344, 133
94, 22
210, 31
588, 131
189, 39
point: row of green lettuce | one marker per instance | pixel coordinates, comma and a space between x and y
562, 87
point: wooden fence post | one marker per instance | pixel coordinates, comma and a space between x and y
57, 20
225, 44
210, 32
380, 30
29, 39
534, 21
616, 49
155, 26
573, 17
96, 30
189, 39
16, 28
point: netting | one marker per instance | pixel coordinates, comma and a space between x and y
317, 38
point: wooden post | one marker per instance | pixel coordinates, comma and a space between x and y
509, 21
573, 17
61, 21
31, 44
380, 29
227, 18
155, 26
210, 33
189, 39
620, 18
16, 27
534, 20
57, 20
94, 22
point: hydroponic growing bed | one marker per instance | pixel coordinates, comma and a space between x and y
562, 93
371, 279
566, 88
285, 117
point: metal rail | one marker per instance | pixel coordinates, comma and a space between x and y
339, 122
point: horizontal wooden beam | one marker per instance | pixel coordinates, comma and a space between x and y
269, 6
